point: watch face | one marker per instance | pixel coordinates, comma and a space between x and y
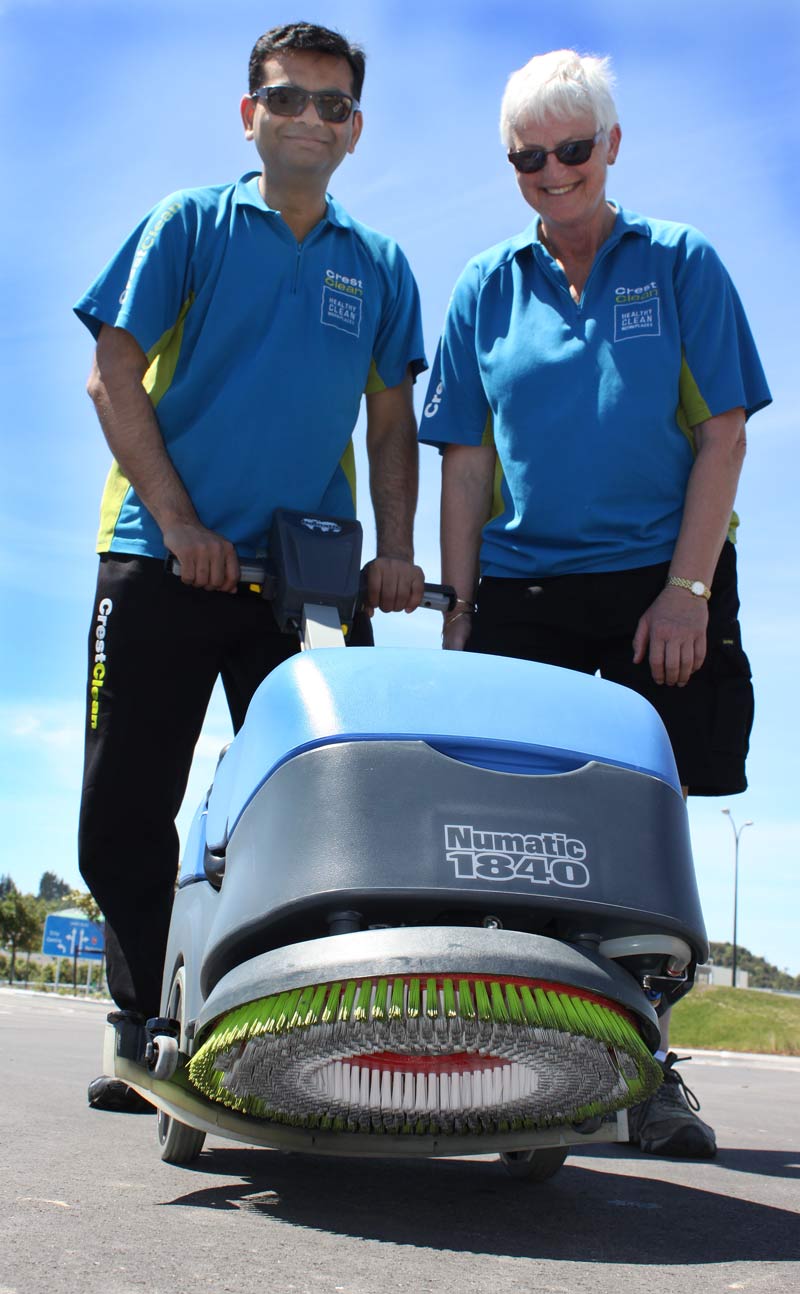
698, 588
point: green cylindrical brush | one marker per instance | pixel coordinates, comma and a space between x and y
441, 1055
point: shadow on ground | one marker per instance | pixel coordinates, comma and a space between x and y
584, 1214
761, 1163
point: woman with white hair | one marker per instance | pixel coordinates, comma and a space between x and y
589, 399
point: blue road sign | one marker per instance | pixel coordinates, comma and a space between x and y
64, 936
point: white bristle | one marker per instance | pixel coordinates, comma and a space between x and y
466, 1090
408, 1092
456, 1099
420, 1095
444, 1091
375, 1089
485, 1087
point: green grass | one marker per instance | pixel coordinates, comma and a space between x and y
728, 1019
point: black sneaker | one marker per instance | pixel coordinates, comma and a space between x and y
667, 1123
112, 1094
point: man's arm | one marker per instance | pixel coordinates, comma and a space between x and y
674, 627
394, 583
134, 437
467, 478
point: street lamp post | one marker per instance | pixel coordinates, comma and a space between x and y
736, 835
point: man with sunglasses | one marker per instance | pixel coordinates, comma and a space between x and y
589, 398
237, 331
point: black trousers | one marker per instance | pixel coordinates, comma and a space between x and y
587, 623
156, 649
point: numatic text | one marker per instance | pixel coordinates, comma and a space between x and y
99, 670
542, 858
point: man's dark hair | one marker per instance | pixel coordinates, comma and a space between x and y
306, 37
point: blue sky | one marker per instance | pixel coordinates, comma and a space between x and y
115, 106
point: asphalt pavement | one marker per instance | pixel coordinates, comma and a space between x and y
88, 1207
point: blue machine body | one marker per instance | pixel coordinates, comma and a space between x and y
497, 713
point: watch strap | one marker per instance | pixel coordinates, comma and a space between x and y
696, 587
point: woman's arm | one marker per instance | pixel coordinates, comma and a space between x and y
672, 632
467, 480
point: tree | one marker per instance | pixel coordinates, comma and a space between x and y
761, 973
7, 886
20, 925
88, 905
52, 888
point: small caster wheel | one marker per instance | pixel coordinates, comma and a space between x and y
165, 1056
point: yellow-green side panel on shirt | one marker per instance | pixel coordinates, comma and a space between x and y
692, 409
375, 382
162, 362
498, 502
348, 465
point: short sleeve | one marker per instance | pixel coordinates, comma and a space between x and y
398, 343
147, 283
456, 408
721, 366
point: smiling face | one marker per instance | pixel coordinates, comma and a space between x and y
302, 148
569, 198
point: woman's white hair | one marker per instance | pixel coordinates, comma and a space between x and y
561, 84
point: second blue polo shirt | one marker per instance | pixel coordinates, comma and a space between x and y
590, 404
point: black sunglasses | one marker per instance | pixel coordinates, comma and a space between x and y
291, 101
574, 153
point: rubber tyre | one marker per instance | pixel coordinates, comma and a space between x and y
534, 1165
179, 1143
166, 1059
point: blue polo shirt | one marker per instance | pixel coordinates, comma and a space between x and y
590, 406
259, 351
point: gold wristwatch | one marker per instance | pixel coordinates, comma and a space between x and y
697, 587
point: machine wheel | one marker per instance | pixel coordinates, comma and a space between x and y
534, 1165
179, 1143
166, 1061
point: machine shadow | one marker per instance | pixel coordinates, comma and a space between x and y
472, 1206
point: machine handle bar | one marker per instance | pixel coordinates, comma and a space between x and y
436, 597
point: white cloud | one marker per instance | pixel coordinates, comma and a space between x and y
45, 731
50, 733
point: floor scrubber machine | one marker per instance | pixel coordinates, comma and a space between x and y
432, 904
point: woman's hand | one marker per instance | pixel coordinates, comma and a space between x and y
456, 630
674, 628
